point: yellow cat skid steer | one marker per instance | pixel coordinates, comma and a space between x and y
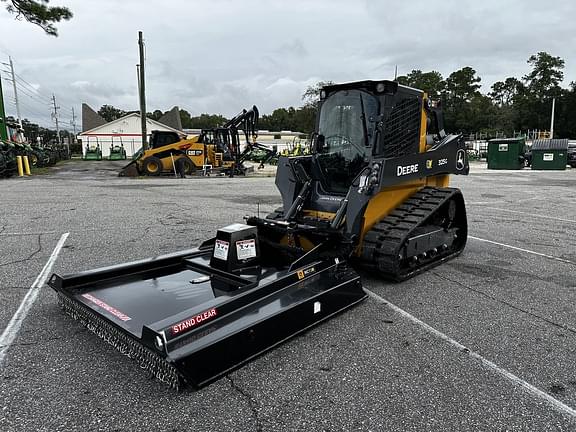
218, 150
169, 152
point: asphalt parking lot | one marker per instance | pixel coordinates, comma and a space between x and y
485, 342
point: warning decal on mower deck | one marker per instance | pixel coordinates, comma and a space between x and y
107, 307
187, 324
305, 272
246, 249
221, 250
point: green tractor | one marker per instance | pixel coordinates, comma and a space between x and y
263, 156
53, 152
8, 165
3, 161
117, 152
92, 153
39, 157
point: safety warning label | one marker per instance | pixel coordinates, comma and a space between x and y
221, 250
121, 316
246, 249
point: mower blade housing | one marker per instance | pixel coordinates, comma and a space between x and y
188, 323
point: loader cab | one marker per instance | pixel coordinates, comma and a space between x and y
220, 138
345, 136
360, 121
163, 138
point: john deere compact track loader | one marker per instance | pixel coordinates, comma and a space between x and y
373, 192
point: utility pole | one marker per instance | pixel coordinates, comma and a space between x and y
552, 119
55, 117
15, 94
73, 123
138, 78
142, 88
3, 130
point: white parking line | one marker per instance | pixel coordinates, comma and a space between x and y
529, 388
15, 234
562, 260
531, 214
516, 202
11, 330
468, 203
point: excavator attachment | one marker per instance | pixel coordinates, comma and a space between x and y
217, 150
190, 317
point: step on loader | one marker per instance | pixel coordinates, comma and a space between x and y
372, 193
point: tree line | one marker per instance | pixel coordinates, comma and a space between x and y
512, 105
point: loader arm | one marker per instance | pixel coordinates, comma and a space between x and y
248, 120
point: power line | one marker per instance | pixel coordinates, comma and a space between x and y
28, 88
36, 101
26, 83
35, 93
33, 116
31, 96
30, 106
55, 115
32, 87
34, 109
38, 105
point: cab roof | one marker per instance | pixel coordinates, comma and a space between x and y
390, 87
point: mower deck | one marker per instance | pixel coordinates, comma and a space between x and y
188, 323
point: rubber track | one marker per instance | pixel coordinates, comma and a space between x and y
382, 244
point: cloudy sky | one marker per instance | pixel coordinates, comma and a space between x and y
219, 56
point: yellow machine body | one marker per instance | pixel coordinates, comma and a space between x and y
387, 200
390, 198
166, 157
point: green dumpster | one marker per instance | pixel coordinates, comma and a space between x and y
506, 153
550, 154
